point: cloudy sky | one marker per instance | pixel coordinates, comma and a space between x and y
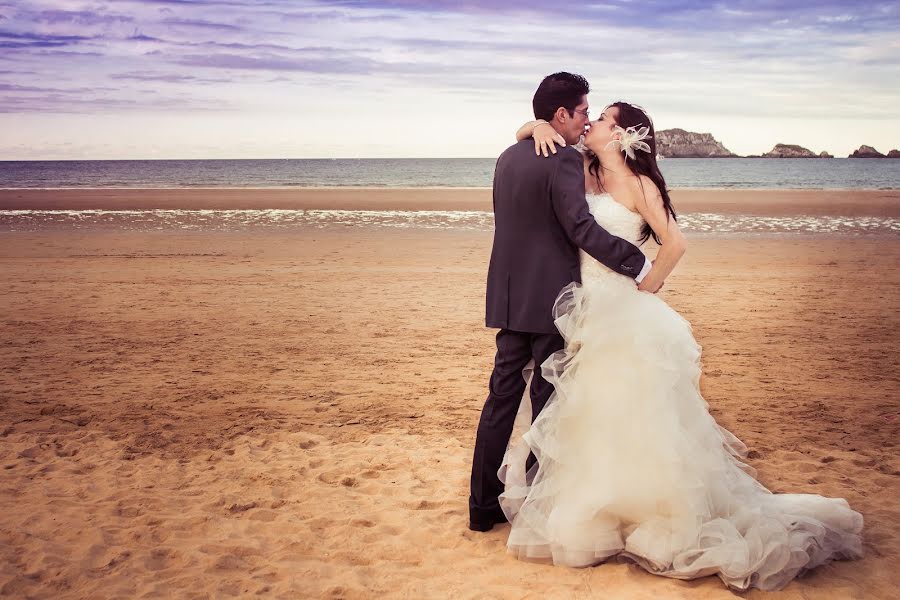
302, 79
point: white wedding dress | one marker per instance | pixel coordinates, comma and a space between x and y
632, 465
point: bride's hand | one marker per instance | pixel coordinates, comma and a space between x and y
648, 286
546, 137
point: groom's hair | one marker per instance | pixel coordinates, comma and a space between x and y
560, 89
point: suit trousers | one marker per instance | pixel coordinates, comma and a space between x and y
514, 350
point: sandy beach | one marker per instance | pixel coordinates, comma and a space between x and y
290, 414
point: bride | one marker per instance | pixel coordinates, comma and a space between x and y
630, 462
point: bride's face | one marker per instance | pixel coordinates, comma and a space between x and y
601, 131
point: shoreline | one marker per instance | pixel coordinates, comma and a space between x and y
772, 202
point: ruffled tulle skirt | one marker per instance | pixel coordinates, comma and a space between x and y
632, 465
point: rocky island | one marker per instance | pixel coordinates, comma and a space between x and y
866, 152
870, 152
678, 143
789, 151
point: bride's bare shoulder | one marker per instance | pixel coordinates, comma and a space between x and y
643, 192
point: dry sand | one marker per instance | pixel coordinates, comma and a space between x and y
291, 414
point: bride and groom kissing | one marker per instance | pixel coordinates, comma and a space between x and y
621, 457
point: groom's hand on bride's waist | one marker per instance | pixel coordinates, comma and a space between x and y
644, 280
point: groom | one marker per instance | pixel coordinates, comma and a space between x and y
541, 219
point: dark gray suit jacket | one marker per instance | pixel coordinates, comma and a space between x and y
541, 218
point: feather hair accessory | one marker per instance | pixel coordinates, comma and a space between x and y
630, 139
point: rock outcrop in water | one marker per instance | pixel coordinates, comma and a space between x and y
866, 152
789, 151
678, 143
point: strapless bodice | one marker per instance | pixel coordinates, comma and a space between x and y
617, 220
615, 217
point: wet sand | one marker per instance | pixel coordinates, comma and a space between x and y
884, 203
291, 414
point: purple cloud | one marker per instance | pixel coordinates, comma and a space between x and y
13, 45
38, 37
199, 23
338, 16
140, 37
11, 87
267, 46
207, 2
327, 65
68, 54
690, 15
165, 77
79, 17
74, 103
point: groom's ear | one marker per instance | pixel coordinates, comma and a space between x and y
561, 114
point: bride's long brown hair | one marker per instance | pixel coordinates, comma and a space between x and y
643, 163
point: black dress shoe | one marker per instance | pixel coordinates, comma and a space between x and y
486, 521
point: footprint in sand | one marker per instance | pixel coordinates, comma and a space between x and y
389, 529
128, 512
329, 478
161, 558
239, 508
338, 478
63, 452
424, 505
337, 592
266, 516
422, 487
362, 523
354, 560
230, 562
31, 452
112, 563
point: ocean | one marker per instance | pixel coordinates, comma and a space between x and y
735, 173
760, 173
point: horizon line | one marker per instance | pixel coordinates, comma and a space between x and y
22, 160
